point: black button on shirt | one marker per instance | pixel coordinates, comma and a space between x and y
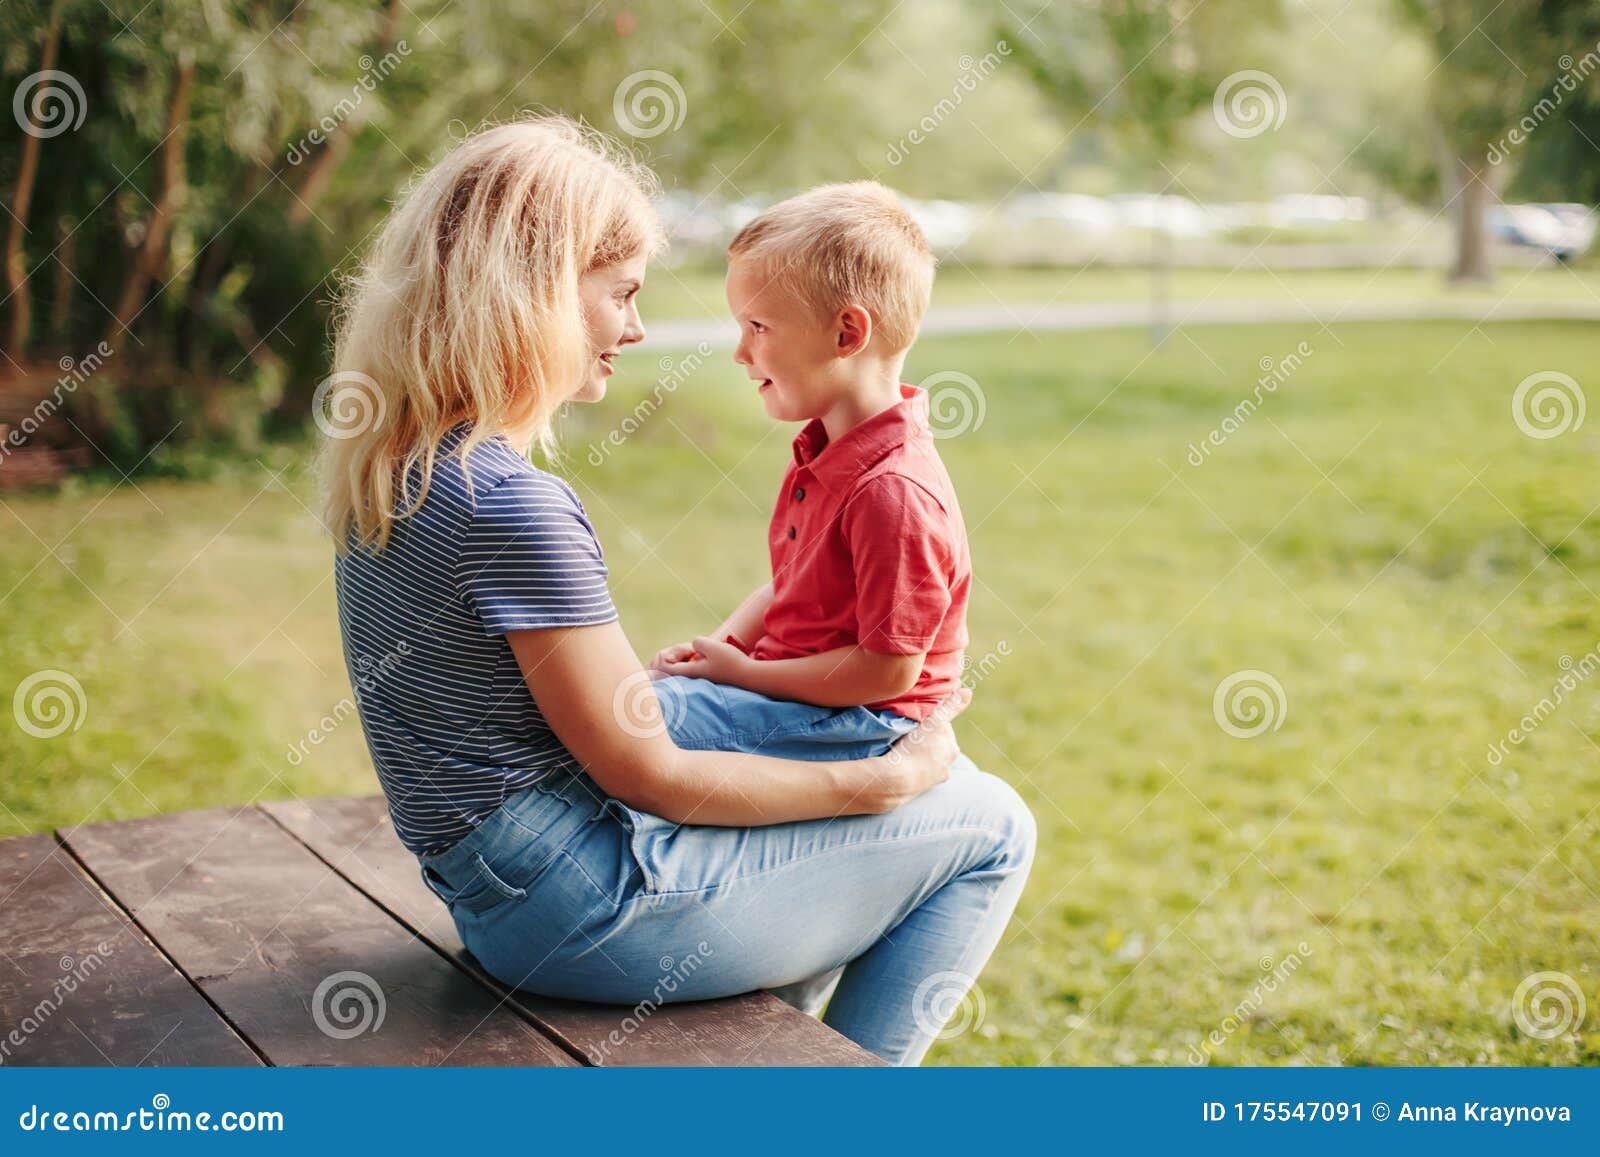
799, 493
791, 532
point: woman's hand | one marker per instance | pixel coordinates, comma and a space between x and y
920, 759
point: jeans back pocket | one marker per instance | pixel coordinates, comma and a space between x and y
479, 890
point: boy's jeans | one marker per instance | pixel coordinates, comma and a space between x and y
704, 716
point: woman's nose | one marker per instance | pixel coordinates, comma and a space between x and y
634, 330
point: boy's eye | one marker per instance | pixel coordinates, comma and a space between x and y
757, 327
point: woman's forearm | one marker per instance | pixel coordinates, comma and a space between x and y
735, 789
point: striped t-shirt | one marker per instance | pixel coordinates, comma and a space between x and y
448, 718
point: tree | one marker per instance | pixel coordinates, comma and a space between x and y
1140, 70
1560, 155
1491, 58
17, 287
223, 163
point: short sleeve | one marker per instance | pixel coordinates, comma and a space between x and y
900, 544
530, 559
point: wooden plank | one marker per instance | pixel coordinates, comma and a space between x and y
355, 836
81, 985
305, 967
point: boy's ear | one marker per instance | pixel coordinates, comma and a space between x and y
854, 326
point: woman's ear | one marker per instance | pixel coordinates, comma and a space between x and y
854, 326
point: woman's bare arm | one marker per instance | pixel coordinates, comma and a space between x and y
601, 704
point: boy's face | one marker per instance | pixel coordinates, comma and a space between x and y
784, 345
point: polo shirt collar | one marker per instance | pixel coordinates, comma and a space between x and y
836, 463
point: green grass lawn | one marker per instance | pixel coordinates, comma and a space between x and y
1379, 537
696, 291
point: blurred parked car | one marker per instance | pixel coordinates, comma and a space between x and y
946, 223
1561, 229
1178, 216
1075, 210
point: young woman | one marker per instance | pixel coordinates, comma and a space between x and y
514, 732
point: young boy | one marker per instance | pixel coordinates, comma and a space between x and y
860, 633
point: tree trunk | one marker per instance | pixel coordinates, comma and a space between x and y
152, 251
27, 173
1472, 223
319, 173
66, 258
1161, 255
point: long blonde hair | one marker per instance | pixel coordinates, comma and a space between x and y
467, 308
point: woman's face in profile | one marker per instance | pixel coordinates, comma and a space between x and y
610, 298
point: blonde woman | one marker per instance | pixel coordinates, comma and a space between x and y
496, 688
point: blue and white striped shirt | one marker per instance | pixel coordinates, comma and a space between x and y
448, 718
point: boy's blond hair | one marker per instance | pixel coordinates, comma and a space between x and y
841, 244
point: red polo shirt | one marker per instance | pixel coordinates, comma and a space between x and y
868, 547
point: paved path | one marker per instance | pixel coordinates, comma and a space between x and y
719, 333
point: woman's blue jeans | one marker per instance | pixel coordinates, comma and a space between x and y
564, 892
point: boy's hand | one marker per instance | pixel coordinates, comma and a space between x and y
707, 659
677, 653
